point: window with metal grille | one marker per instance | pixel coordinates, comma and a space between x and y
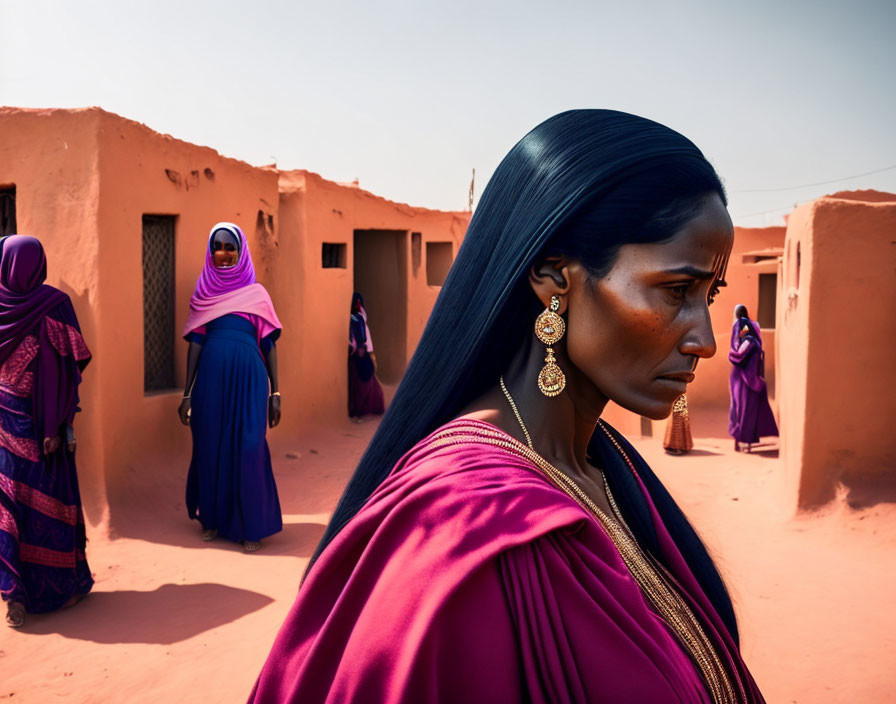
7, 210
333, 255
158, 302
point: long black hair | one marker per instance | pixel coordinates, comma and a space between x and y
583, 183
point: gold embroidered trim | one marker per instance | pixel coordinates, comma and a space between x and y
655, 582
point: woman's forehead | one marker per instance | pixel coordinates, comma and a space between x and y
703, 243
222, 235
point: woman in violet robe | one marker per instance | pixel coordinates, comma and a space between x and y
231, 395
751, 415
498, 542
365, 395
42, 355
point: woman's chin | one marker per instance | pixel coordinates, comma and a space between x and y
654, 409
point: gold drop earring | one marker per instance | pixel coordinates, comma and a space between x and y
549, 329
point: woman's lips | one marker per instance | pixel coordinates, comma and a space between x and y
684, 377
678, 381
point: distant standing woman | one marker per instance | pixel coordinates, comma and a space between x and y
678, 439
42, 355
231, 395
365, 395
751, 416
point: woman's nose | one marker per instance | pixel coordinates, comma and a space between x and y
699, 340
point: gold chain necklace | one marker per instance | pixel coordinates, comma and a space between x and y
653, 579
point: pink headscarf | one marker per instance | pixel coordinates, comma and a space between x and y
220, 291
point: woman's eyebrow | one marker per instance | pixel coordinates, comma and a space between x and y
693, 272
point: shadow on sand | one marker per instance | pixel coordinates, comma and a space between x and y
295, 540
767, 451
168, 614
868, 492
696, 452
146, 501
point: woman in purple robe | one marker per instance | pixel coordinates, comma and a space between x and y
42, 354
365, 395
751, 415
231, 395
498, 542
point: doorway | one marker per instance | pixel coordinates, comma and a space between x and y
381, 276
7, 210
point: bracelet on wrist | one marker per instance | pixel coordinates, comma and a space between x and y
274, 393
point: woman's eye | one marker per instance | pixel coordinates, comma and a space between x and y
679, 291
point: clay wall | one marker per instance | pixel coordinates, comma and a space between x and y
380, 258
145, 173
835, 347
84, 181
86, 178
51, 156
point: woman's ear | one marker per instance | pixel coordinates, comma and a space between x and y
550, 277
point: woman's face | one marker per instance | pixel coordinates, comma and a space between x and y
637, 333
225, 252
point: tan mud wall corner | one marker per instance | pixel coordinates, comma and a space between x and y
836, 371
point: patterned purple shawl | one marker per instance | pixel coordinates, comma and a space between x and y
24, 298
29, 307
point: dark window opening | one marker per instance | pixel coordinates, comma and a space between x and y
333, 255
158, 303
438, 262
416, 251
768, 296
7, 210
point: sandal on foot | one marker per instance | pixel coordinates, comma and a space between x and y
251, 545
210, 534
15, 614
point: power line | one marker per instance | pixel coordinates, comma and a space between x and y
818, 183
780, 211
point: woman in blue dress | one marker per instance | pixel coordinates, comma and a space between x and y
231, 396
42, 354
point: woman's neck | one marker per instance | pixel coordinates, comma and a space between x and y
560, 426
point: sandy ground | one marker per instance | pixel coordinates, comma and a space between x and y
174, 619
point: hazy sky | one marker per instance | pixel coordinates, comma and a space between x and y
408, 97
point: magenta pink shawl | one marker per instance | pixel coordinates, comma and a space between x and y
468, 577
232, 290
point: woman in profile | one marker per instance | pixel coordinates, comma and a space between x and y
498, 542
231, 395
42, 354
365, 395
750, 416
